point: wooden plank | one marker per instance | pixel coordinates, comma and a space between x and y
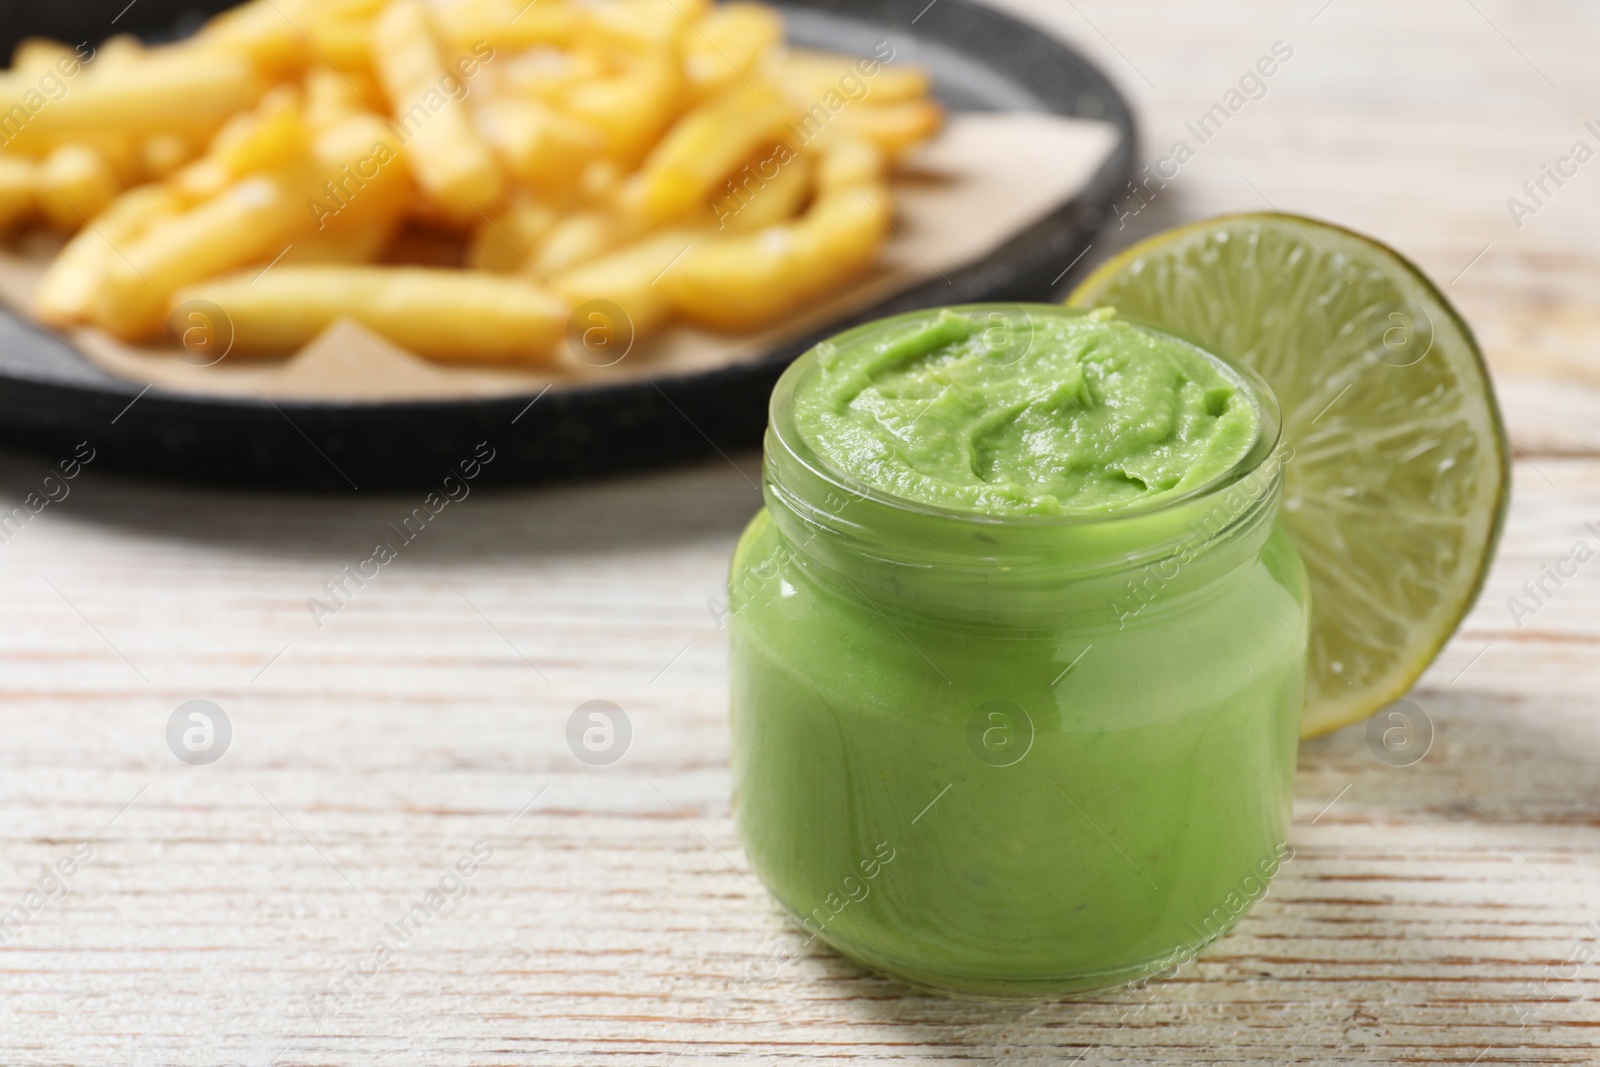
615, 920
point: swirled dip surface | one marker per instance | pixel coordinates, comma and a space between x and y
1013, 411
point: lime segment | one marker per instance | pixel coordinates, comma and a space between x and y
1397, 482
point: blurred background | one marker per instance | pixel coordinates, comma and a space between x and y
1416, 124
1436, 912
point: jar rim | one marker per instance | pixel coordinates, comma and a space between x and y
781, 429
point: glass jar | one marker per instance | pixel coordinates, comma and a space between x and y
1014, 756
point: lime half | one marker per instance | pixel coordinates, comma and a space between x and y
1396, 486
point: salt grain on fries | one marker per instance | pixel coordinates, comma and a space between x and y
666, 156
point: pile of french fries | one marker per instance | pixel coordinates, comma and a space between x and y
467, 178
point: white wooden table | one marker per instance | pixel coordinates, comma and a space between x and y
228, 913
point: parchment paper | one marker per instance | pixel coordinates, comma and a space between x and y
980, 182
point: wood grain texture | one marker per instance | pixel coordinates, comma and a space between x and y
228, 914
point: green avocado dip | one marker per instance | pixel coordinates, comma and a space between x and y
1016, 650
1026, 414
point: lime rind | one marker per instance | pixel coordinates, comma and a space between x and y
1397, 490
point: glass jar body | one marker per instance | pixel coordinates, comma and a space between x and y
1000, 807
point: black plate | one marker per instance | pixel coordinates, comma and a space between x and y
51, 397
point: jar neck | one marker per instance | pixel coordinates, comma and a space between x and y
1017, 570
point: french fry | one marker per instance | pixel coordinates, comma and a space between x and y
704, 146
601, 182
630, 108
510, 241
76, 183
894, 128
509, 25
78, 272
541, 146
191, 93
343, 41
580, 237
35, 55
123, 152
441, 314
332, 96
161, 154
38, 83
118, 53
18, 182
354, 171
271, 136
31, 60
443, 148
732, 42
262, 31
340, 33
365, 186
342, 245
744, 282
808, 77
645, 26
629, 277
852, 165
347, 9
120, 150
769, 189
275, 135
545, 73
254, 219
